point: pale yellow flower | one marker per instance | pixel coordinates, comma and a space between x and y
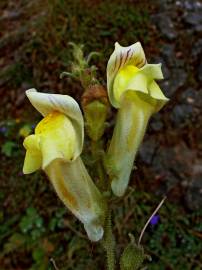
56, 147
133, 90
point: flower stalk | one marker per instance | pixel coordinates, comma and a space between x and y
108, 243
57, 143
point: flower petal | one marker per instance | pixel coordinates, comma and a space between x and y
57, 138
122, 56
33, 158
47, 103
78, 192
157, 94
142, 81
152, 71
130, 127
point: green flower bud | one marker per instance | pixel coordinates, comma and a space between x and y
95, 107
132, 257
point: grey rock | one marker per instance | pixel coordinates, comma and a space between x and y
163, 5
168, 54
156, 123
194, 191
176, 81
189, 5
188, 96
198, 102
197, 49
172, 164
181, 114
193, 18
198, 28
161, 165
165, 25
200, 72
10, 15
147, 150
168, 50
193, 97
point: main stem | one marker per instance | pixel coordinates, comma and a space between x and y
109, 243
95, 149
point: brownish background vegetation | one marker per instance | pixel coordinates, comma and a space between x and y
34, 50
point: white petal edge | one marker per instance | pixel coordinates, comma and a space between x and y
46, 103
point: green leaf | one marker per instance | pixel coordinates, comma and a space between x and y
8, 148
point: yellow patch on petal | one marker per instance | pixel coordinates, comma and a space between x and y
65, 195
33, 158
51, 121
57, 138
122, 79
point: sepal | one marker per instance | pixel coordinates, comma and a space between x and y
133, 256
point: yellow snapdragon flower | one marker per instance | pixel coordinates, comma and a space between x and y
132, 89
56, 147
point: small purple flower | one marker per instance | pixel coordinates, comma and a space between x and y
20, 174
33, 126
155, 219
3, 129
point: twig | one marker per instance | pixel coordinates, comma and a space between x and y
148, 221
54, 264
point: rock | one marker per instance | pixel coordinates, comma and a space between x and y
172, 165
193, 97
188, 96
200, 72
176, 81
181, 114
147, 150
189, 5
194, 191
198, 28
171, 58
168, 54
156, 124
165, 25
193, 18
10, 15
198, 102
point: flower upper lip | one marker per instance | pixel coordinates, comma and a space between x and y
122, 56
47, 103
141, 80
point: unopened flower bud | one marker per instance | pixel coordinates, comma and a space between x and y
95, 106
132, 257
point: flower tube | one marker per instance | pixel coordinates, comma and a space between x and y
133, 91
56, 147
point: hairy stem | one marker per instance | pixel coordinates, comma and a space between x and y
109, 243
96, 146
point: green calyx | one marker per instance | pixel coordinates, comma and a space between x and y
95, 115
133, 256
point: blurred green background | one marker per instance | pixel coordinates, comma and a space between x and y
35, 227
